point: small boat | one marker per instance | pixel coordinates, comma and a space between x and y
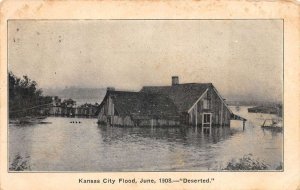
273, 124
45, 122
29, 120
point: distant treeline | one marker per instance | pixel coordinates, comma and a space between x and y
252, 103
273, 109
25, 98
76, 92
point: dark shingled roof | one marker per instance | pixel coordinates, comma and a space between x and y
183, 95
159, 101
140, 104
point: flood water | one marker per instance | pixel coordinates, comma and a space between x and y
86, 146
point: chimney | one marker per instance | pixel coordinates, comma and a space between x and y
110, 88
175, 80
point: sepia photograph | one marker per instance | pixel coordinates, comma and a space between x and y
145, 95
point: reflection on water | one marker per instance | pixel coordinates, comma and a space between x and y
65, 146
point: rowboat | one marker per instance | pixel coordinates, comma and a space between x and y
273, 124
27, 120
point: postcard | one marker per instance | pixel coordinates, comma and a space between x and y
150, 95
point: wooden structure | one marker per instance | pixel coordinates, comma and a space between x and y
137, 109
196, 104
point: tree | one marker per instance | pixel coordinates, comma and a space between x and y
25, 98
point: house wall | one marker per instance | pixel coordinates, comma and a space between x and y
107, 115
102, 117
121, 121
215, 106
114, 120
158, 122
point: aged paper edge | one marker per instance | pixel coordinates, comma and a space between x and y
286, 10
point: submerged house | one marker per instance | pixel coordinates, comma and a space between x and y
197, 104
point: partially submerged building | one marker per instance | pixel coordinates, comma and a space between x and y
69, 108
86, 110
137, 109
197, 104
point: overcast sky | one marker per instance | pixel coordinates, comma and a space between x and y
242, 58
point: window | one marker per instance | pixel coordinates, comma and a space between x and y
205, 104
206, 101
206, 118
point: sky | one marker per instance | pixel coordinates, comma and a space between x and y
242, 58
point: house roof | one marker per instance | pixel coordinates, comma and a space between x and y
183, 95
159, 101
142, 104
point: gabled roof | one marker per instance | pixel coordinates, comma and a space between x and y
160, 101
140, 104
183, 95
